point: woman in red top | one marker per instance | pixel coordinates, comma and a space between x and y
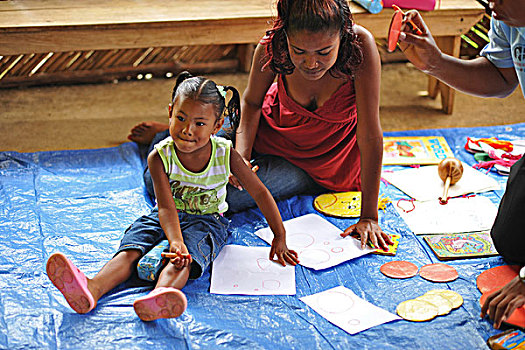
322, 113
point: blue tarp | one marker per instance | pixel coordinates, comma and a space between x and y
80, 203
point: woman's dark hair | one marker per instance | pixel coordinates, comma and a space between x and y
313, 16
206, 91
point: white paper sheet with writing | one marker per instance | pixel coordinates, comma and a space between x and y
346, 310
249, 271
469, 214
424, 183
317, 242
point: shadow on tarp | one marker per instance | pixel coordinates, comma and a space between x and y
81, 202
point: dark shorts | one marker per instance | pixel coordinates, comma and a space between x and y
204, 236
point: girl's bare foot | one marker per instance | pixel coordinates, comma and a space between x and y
145, 132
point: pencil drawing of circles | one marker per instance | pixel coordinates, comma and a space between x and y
399, 269
438, 272
354, 322
337, 250
443, 304
416, 310
271, 284
335, 302
455, 298
300, 240
314, 256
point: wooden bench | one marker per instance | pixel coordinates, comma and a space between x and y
39, 26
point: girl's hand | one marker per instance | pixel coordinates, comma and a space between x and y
369, 229
284, 255
421, 50
181, 257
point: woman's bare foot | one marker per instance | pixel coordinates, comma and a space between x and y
145, 132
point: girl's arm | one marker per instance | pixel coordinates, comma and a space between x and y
369, 141
268, 207
168, 214
251, 102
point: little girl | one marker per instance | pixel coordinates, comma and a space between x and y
190, 171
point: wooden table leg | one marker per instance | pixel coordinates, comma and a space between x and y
450, 45
245, 55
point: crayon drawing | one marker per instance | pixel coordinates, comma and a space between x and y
249, 271
346, 310
317, 242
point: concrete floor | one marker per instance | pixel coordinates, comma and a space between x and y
96, 116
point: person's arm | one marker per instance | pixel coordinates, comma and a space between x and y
477, 77
168, 215
251, 102
369, 141
502, 303
268, 207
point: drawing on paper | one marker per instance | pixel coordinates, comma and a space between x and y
346, 310
248, 270
317, 242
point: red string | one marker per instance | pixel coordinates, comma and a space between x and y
407, 200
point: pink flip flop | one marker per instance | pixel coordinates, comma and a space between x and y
71, 282
162, 302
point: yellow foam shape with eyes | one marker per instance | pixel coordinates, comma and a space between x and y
343, 204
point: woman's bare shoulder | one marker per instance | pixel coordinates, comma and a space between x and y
363, 34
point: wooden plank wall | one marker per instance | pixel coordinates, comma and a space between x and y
97, 66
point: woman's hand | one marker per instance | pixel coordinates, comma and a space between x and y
179, 255
421, 50
284, 255
502, 303
368, 229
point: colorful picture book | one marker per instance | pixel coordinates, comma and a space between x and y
415, 150
461, 245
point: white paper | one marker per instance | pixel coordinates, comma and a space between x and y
470, 214
346, 310
318, 242
424, 183
249, 271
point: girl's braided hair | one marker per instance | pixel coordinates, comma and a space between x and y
207, 91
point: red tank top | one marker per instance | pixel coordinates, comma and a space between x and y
321, 142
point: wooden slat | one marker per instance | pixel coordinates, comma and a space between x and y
110, 74
22, 65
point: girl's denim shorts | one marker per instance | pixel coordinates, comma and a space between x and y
204, 236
